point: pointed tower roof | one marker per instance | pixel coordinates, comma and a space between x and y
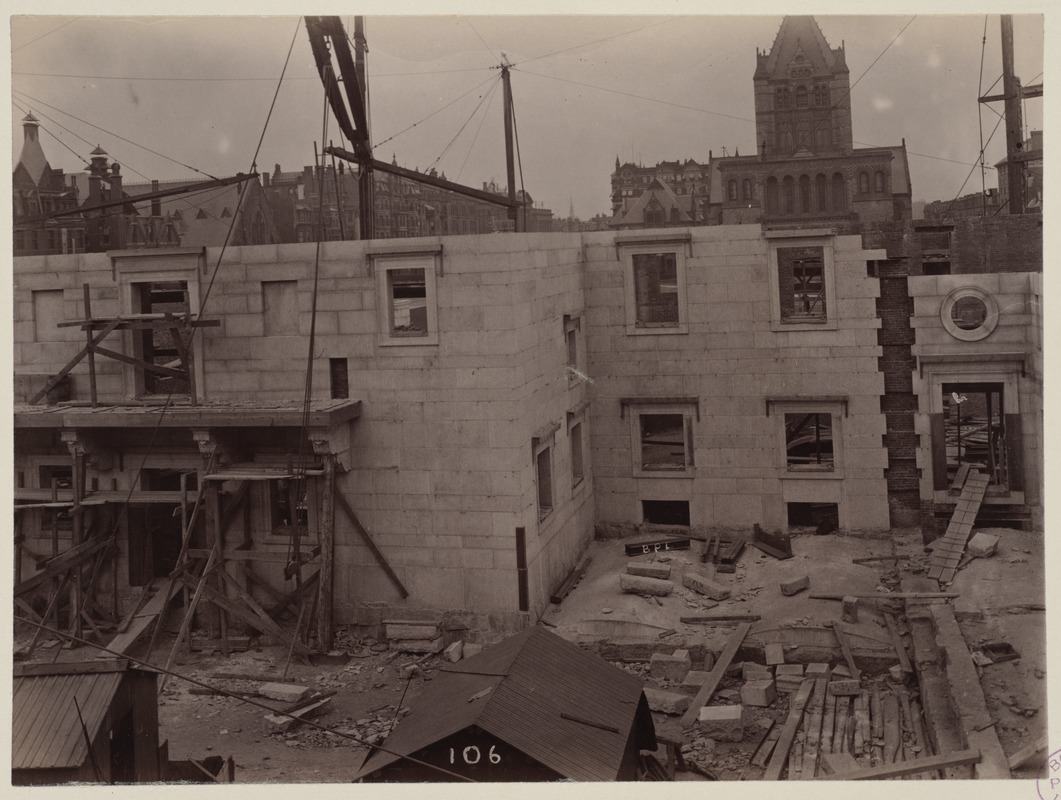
32, 158
800, 35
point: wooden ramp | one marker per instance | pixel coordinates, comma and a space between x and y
143, 618
948, 550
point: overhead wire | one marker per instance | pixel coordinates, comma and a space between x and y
54, 136
49, 33
983, 147
433, 113
115, 135
482, 119
233, 79
481, 39
471, 116
980, 115
598, 41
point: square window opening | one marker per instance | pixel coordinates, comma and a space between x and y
974, 427
935, 268
407, 294
823, 517
801, 284
544, 473
809, 442
664, 442
656, 289
666, 512
162, 347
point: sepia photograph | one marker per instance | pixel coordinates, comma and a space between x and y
507, 395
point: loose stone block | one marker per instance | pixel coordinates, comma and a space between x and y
418, 645
789, 588
667, 702
279, 722
849, 609
722, 723
706, 587
841, 671
695, 679
454, 651
775, 654
413, 630
672, 667
756, 672
649, 570
285, 692
634, 584
816, 670
758, 693
789, 671
982, 545
471, 649
845, 687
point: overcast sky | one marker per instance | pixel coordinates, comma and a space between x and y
586, 89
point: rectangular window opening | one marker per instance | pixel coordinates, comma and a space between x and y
801, 284
935, 268
656, 289
577, 469
159, 346
280, 307
809, 441
666, 512
823, 517
339, 379
407, 294
285, 504
974, 425
664, 442
544, 473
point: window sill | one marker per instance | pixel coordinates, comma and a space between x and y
688, 472
813, 475
824, 325
639, 330
409, 341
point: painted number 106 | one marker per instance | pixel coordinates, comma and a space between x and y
472, 755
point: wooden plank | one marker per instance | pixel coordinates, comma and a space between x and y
937, 435
788, 732
761, 741
84, 351
326, 537
892, 736
714, 678
828, 722
900, 648
813, 730
959, 478
958, 759
569, 582
845, 648
889, 596
65, 561
262, 623
767, 747
143, 618
364, 534
1028, 752
720, 618
843, 714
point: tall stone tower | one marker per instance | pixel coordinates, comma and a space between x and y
802, 94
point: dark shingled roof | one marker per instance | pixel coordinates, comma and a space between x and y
525, 683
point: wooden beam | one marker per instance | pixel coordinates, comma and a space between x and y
253, 555
326, 536
897, 641
813, 730
889, 596
898, 770
720, 618
714, 678
84, 351
61, 563
845, 648
788, 732
1027, 753
367, 538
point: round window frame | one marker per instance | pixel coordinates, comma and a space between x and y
985, 329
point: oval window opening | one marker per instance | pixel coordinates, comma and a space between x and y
969, 313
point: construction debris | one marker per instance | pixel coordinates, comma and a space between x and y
795, 586
775, 654
760, 693
285, 692
649, 569
722, 723
569, 582
673, 667
667, 702
634, 584
705, 586
849, 609
982, 545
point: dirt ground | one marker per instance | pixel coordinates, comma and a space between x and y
1001, 598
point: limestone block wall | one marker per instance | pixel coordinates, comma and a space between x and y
731, 359
1007, 350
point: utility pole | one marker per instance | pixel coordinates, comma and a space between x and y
365, 179
1014, 127
510, 164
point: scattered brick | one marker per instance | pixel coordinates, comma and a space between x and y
722, 723
667, 702
982, 545
672, 667
634, 584
845, 687
649, 570
758, 693
702, 585
789, 588
849, 609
